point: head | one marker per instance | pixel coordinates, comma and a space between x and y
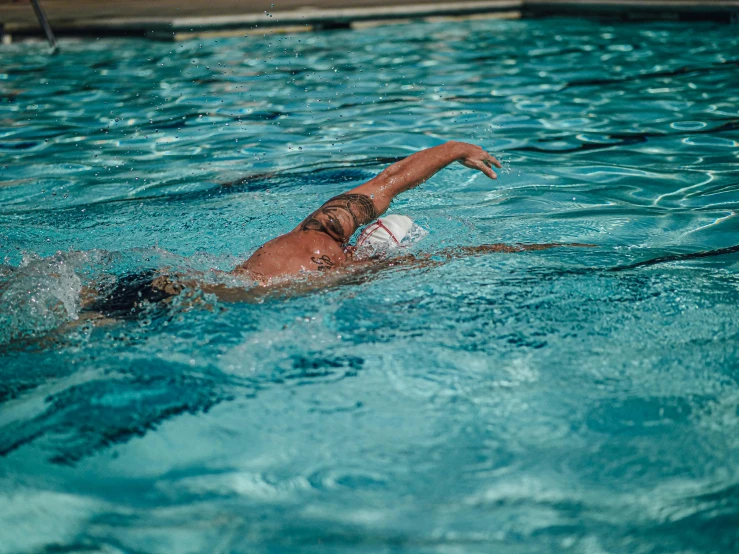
385, 233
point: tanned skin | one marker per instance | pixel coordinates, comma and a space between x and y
320, 242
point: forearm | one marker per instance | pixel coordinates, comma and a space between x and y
408, 173
342, 215
466, 251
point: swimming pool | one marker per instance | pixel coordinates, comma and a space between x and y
505, 403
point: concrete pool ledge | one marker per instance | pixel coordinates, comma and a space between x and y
304, 19
87, 18
677, 10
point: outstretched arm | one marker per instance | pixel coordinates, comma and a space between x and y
341, 216
420, 167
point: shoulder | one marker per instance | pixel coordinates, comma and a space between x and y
303, 240
295, 252
312, 242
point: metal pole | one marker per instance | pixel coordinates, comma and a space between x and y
44, 23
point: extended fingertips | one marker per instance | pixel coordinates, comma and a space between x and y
485, 168
495, 162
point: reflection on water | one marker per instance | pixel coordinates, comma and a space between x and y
511, 402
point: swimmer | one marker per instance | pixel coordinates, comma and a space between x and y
318, 248
321, 241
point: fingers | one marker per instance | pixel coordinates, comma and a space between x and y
493, 161
486, 170
490, 160
478, 158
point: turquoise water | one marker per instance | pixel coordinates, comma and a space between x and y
511, 403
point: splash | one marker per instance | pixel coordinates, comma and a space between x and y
41, 294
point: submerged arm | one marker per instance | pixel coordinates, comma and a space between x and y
458, 252
466, 251
342, 215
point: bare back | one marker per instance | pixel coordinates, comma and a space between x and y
292, 254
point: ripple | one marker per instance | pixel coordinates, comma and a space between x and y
689, 125
348, 479
711, 142
508, 402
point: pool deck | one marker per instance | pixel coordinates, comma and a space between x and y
684, 10
177, 19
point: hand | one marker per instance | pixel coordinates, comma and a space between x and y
475, 157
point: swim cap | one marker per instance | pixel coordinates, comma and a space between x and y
387, 231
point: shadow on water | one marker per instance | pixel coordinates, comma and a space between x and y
679, 258
118, 405
728, 65
623, 139
310, 175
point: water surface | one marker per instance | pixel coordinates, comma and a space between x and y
529, 402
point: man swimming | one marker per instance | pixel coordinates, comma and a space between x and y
321, 240
318, 248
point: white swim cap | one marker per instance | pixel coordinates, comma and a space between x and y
388, 231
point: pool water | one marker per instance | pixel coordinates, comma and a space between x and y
532, 402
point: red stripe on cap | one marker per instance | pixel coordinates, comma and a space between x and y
367, 233
377, 225
389, 232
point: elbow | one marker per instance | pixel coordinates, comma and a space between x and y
389, 180
391, 172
